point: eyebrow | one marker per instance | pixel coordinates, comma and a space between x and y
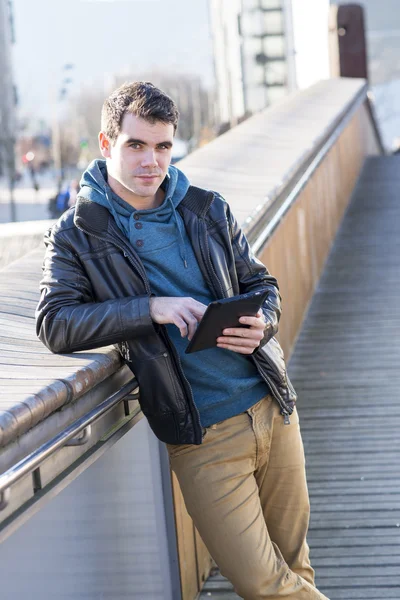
135, 141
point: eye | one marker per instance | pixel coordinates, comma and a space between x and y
163, 147
135, 146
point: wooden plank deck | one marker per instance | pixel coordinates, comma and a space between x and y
346, 370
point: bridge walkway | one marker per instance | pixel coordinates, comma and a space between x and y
345, 367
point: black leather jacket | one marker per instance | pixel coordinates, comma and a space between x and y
95, 292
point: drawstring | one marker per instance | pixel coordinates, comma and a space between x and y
181, 241
178, 221
116, 216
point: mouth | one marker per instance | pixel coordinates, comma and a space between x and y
147, 177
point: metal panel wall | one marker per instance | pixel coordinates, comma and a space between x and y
103, 537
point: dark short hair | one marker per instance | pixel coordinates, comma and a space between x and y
140, 98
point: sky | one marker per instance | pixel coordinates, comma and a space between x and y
104, 36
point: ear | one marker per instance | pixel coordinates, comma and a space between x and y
105, 145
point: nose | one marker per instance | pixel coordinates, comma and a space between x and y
149, 159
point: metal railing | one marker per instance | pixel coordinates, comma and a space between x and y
76, 434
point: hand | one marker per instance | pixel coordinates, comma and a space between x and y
244, 340
185, 313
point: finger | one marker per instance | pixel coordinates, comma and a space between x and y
235, 341
257, 322
198, 314
237, 331
181, 325
196, 308
238, 349
244, 333
192, 324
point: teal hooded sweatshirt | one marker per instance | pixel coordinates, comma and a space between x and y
223, 383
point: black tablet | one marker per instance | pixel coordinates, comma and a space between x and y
224, 313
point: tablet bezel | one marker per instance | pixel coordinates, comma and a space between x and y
236, 307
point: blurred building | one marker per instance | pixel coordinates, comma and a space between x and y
253, 64
7, 96
382, 21
262, 51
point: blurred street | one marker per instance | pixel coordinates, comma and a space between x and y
30, 205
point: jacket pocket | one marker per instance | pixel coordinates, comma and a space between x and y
160, 389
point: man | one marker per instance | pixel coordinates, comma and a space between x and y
135, 263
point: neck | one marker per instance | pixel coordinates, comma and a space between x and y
137, 202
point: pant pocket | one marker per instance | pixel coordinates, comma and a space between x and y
175, 450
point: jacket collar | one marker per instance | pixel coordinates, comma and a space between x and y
198, 201
93, 218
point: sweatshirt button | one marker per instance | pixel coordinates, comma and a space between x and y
138, 225
139, 243
136, 217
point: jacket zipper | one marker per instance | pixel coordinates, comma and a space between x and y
137, 265
284, 410
207, 260
210, 261
185, 380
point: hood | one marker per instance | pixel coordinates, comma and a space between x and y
94, 187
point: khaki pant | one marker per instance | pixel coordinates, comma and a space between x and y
245, 489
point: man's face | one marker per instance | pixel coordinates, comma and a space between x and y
139, 158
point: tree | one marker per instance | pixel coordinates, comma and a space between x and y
195, 103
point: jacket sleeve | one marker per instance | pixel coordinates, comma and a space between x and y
67, 317
254, 276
